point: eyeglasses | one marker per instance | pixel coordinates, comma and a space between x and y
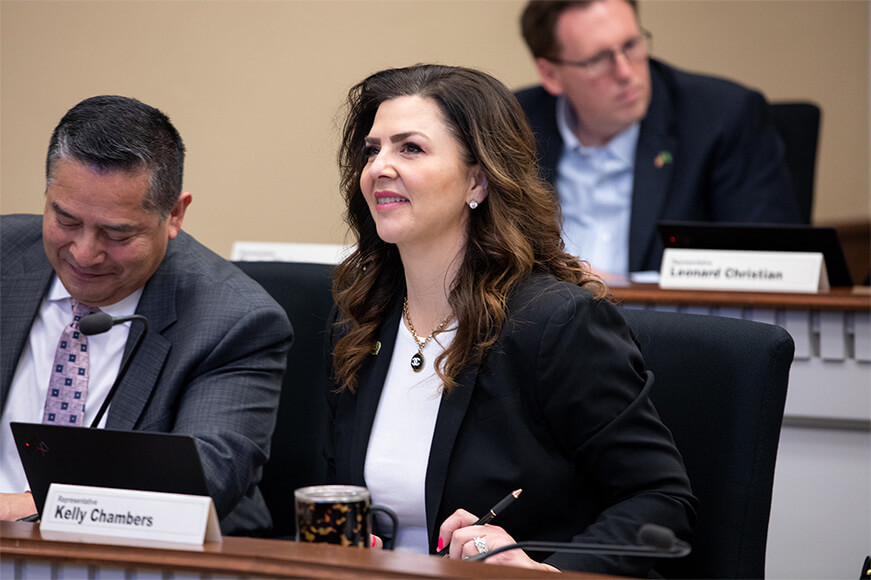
635, 50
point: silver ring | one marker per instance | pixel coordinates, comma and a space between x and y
481, 544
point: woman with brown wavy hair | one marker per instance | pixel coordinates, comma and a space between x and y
471, 355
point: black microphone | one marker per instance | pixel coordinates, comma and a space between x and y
98, 323
658, 537
653, 542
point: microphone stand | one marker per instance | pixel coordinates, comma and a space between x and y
122, 371
654, 541
678, 551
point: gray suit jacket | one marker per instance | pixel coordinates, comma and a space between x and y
210, 366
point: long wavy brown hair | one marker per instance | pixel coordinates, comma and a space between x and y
512, 232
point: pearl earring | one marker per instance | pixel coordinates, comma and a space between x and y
473, 204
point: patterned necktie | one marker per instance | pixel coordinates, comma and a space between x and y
68, 385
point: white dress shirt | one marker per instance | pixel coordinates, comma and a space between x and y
26, 398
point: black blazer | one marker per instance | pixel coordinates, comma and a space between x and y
560, 408
727, 161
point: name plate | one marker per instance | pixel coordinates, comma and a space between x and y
743, 270
124, 516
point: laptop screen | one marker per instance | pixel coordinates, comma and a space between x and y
139, 460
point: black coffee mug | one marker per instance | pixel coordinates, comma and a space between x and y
338, 514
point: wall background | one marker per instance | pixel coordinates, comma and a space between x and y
255, 87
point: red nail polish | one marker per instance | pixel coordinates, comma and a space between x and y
441, 545
373, 541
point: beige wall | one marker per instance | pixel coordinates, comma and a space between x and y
255, 87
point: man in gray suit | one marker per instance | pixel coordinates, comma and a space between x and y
110, 236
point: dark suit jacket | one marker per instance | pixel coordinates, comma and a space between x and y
210, 366
559, 408
727, 159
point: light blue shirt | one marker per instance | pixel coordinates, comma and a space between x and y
594, 185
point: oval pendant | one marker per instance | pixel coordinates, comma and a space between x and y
417, 362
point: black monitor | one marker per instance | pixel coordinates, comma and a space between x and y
141, 460
760, 237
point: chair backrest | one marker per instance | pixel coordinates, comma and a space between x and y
296, 458
799, 126
720, 387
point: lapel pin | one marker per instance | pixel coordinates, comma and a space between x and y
662, 159
377, 348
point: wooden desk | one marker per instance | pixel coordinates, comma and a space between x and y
854, 299
25, 554
823, 471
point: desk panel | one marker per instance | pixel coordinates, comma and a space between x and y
830, 378
24, 554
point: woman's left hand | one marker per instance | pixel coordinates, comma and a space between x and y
466, 540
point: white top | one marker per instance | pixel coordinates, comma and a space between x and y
26, 399
401, 437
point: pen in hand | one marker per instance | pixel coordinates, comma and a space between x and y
492, 513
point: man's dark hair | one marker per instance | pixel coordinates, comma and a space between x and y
111, 133
538, 24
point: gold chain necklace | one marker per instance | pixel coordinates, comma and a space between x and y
417, 360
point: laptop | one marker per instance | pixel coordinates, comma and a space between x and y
140, 460
761, 237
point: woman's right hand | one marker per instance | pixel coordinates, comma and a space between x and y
466, 539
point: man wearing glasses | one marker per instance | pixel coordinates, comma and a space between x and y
629, 141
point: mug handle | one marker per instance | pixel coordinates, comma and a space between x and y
388, 541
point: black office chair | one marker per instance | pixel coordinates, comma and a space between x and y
296, 459
799, 126
720, 386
